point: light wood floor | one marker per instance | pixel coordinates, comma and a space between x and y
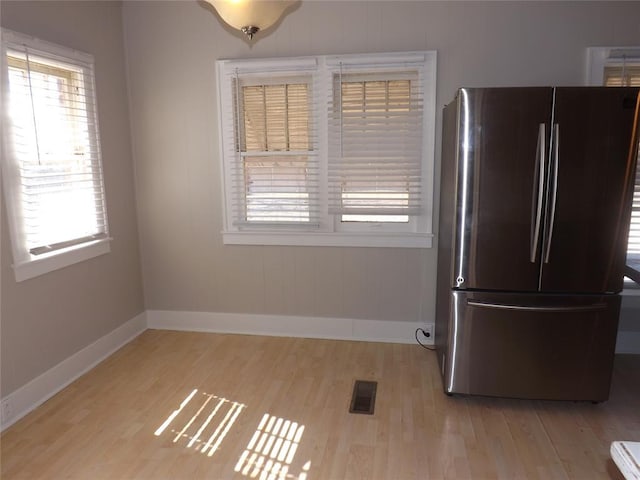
193, 405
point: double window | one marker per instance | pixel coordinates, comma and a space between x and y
328, 150
52, 171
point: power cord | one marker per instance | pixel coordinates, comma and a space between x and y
427, 347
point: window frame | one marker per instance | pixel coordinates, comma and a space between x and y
417, 233
28, 265
598, 58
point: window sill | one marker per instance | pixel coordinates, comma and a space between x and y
320, 239
57, 260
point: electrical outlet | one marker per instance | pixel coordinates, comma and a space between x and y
428, 333
6, 411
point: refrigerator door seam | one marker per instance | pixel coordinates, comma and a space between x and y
547, 187
536, 212
554, 193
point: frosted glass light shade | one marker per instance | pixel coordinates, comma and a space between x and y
250, 15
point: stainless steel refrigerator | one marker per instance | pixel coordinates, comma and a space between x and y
536, 188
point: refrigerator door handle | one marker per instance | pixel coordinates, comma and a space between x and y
501, 306
536, 208
554, 191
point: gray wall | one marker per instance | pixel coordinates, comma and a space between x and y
171, 52
49, 318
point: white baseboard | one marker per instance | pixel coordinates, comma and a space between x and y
45, 386
628, 342
40, 389
285, 326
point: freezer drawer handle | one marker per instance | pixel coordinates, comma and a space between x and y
501, 306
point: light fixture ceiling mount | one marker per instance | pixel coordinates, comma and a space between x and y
250, 30
251, 16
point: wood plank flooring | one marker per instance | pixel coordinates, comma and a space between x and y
176, 405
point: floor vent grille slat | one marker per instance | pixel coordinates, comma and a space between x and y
363, 399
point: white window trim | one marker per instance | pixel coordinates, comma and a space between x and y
331, 233
330, 239
60, 259
26, 265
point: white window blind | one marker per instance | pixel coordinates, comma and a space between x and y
633, 246
274, 172
375, 145
628, 75
328, 150
622, 76
54, 170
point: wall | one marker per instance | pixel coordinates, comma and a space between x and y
171, 52
47, 319
629, 326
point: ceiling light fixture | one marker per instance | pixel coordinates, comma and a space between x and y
250, 16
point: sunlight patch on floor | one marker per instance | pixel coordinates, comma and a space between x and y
202, 421
271, 450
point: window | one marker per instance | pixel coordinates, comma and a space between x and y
275, 171
52, 171
614, 67
617, 74
328, 150
375, 145
621, 67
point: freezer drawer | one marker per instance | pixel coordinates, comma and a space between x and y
531, 346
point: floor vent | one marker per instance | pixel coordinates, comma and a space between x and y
364, 397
